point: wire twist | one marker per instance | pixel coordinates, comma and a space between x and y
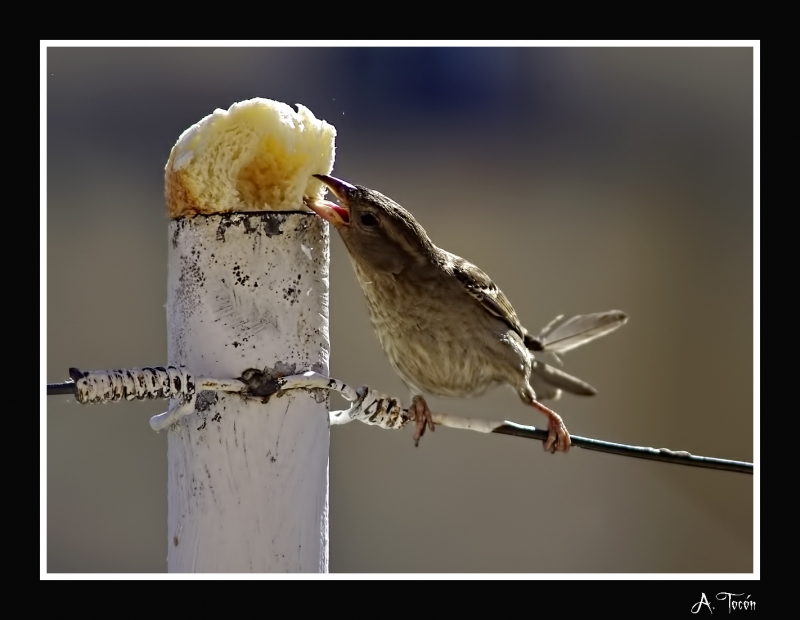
104, 386
372, 407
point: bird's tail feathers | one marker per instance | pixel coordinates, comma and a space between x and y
544, 391
559, 337
541, 372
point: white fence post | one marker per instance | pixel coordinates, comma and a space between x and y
248, 480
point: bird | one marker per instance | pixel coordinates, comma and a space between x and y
445, 326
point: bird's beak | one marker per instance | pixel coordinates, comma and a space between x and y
335, 214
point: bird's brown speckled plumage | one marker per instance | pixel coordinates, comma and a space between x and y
444, 325
429, 348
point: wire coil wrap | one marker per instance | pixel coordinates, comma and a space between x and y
104, 386
378, 409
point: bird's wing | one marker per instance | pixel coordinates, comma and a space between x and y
485, 292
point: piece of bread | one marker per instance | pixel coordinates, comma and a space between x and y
258, 155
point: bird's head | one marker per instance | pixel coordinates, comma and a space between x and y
379, 234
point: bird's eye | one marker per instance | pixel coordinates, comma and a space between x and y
369, 220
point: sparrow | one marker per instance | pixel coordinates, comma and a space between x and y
445, 326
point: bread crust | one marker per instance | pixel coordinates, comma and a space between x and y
258, 155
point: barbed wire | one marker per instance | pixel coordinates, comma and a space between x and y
368, 406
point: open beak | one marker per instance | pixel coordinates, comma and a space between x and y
335, 214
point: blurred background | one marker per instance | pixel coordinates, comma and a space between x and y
580, 179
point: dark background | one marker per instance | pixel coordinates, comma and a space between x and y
581, 180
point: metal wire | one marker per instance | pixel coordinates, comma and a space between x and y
369, 407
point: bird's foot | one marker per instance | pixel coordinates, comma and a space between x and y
558, 435
421, 414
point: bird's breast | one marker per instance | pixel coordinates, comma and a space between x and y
438, 343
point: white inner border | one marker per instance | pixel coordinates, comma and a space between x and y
756, 45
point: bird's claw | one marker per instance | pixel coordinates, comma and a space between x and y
421, 414
558, 436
